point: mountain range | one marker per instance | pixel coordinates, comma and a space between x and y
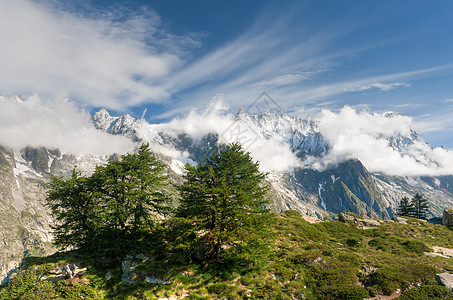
290, 149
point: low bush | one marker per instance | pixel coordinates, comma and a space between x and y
427, 292
415, 246
350, 292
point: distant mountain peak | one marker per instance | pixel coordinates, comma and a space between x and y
14, 98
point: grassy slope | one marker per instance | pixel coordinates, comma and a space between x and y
329, 260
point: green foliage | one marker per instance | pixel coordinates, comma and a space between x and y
420, 205
416, 246
223, 197
222, 289
427, 292
29, 284
294, 260
417, 207
350, 292
405, 208
388, 278
108, 211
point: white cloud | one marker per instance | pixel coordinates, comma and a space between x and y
272, 153
94, 59
54, 123
364, 136
377, 85
285, 79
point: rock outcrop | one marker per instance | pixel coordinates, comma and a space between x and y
445, 279
361, 222
447, 218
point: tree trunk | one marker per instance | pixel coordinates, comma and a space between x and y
217, 248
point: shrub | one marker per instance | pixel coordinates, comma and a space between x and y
427, 292
380, 243
222, 289
353, 242
415, 246
382, 281
270, 290
350, 292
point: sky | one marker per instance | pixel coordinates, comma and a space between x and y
169, 57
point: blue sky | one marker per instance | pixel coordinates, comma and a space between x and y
171, 56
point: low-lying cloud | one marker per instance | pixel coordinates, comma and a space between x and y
55, 123
272, 153
366, 136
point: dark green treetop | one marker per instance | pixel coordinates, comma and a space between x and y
111, 209
223, 196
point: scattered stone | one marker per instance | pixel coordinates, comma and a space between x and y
361, 222
441, 252
367, 270
128, 267
317, 260
445, 279
108, 276
56, 271
68, 271
369, 222
156, 280
400, 220
447, 218
344, 217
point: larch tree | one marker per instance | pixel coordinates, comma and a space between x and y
111, 209
224, 198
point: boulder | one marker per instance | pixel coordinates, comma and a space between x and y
445, 279
447, 218
108, 276
344, 217
400, 220
369, 222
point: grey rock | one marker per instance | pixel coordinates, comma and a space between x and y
344, 217
400, 220
156, 280
317, 260
108, 276
447, 217
445, 279
369, 222
128, 267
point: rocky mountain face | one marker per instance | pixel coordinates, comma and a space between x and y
348, 186
25, 223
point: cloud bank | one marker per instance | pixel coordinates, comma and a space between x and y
382, 142
272, 153
54, 123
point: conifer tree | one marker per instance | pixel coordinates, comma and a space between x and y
223, 196
108, 211
405, 208
420, 207
75, 209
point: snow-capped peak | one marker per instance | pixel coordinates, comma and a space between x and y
14, 98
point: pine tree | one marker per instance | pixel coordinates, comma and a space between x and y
108, 211
405, 207
75, 209
223, 196
420, 207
